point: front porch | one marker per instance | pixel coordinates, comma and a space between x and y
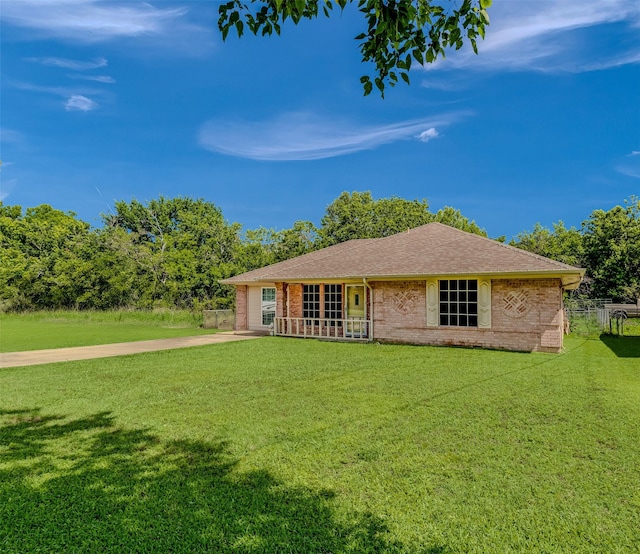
333, 329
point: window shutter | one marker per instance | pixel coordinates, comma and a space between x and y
484, 304
432, 302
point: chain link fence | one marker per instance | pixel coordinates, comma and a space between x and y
594, 316
587, 316
218, 319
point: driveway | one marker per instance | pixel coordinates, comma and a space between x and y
35, 357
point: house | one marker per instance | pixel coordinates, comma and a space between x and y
429, 285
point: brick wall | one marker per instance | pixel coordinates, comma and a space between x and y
295, 300
241, 308
280, 300
526, 315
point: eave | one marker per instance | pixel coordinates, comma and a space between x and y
570, 278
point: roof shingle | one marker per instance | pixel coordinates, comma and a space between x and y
430, 250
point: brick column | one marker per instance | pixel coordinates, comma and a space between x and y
295, 300
281, 300
241, 308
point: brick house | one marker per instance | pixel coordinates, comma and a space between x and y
429, 285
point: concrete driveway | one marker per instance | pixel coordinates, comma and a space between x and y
35, 357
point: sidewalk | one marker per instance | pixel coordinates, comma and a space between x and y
34, 357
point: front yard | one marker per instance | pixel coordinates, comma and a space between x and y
59, 329
284, 445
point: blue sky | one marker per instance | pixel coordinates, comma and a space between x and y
105, 101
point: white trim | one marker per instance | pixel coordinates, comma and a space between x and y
371, 299
364, 298
334, 329
268, 306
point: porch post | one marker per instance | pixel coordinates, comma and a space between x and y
368, 316
280, 299
241, 308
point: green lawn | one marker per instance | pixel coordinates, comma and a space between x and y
589, 326
58, 329
283, 445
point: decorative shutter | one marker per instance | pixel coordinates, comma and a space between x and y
484, 304
432, 302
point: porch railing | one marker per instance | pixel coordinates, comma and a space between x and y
336, 329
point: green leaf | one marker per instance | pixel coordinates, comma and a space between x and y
397, 32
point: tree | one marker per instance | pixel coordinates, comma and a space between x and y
358, 216
181, 248
612, 251
453, 218
300, 239
262, 246
256, 249
398, 32
561, 244
36, 249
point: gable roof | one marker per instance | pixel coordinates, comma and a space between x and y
431, 250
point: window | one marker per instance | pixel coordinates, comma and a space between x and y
268, 305
311, 301
459, 302
333, 302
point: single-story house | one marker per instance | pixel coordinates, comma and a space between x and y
430, 285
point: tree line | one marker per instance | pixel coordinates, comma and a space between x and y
607, 245
172, 252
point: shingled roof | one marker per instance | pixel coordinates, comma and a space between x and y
428, 251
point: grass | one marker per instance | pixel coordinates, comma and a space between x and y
59, 329
281, 445
588, 326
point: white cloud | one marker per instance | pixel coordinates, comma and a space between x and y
629, 171
96, 78
11, 136
77, 102
175, 29
630, 165
544, 36
90, 20
76, 98
428, 135
76, 65
7, 186
307, 136
58, 91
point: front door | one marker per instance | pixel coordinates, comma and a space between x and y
356, 312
